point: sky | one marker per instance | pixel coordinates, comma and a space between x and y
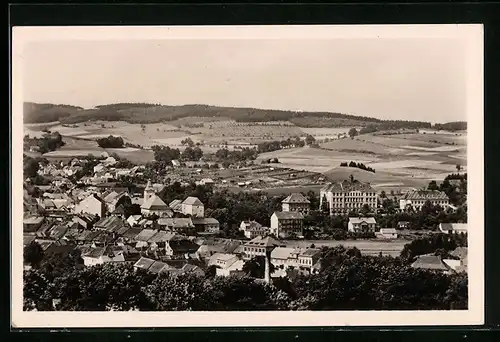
404, 79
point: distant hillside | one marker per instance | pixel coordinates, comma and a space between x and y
452, 126
151, 113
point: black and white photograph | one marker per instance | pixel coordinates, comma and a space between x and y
247, 176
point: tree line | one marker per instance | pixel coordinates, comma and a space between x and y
358, 165
50, 141
346, 280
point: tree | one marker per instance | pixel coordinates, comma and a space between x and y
33, 254
197, 153
30, 167
255, 267
365, 210
353, 132
458, 167
324, 205
383, 194
110, 142
433, 186
188, 141
351, 178
310, 139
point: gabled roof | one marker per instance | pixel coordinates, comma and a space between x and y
204, 220
296, 198
460, 252
430, 262
456, 227
154, 203
163, 236
426, 195
264, 242
310, 252
192, 201
175, 222
357, 220
110, 223
144, 263
282, 252
145, 235
347, 186
288, 215
156, 267
176, 205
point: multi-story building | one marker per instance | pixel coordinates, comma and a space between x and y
259, 247
286, 223
93, 205
193, 206
252, 229
416, 199
296, 202
343, 197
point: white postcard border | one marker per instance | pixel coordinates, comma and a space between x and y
472, 34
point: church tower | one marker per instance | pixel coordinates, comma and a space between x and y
148, 192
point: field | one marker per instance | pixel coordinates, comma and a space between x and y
403, 161
75, 147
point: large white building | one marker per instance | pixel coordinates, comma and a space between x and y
416, 199
343, 197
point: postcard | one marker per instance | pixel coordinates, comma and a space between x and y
247, 176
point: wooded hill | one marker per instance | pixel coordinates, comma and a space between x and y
151, 113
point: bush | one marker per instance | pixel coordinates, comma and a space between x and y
110, 142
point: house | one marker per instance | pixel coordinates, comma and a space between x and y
101, 255
206, 224
57, 231
296, 202
93, 205
32, 224
133, 220
44, 230
453, 228
176, 248
309, 258
431, 262
154, 205
213, 246
114, 198
287, 223
143, 237
177, 224
86, 221
193, 206
416, 199
51, 247
226, 264
111, 224
143, 264
459, 265
259, 247
285, 257
176, 163
387, 233
252, 229
345, 196
361, 224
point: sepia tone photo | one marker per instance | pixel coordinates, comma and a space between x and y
247, 175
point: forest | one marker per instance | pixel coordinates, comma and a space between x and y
152, 113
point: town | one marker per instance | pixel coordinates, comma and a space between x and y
96, 213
